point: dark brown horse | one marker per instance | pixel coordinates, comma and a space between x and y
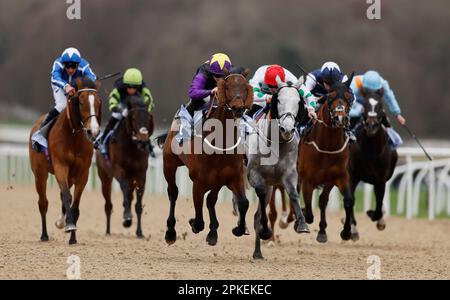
70, 147
211, 171
324, 157
371, 159
128, 161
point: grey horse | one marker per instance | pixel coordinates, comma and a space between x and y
278, 165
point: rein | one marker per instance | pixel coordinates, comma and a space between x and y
82, 122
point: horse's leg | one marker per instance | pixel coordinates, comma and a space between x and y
40, 182
140, 189
263, 230
273, 213
377, 215
283, 223
211, 200
198, 224
127, 189
106, 191
241, 201
60, 222
354, 229
75, 208
323, 201
290, 182
344, 188
307, 189
172, 192
61, 174
257, 254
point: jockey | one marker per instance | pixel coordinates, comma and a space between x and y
130, 84
265, 86
66, 68
372, 81
204, 83
320, 81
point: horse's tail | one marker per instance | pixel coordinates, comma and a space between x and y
161, 139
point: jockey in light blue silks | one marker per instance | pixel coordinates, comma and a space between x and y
66, 68
372, 81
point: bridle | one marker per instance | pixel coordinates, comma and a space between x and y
133, 133
227, 107
84, 121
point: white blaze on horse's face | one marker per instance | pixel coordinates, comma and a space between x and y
373, 103
288, 106
94, 126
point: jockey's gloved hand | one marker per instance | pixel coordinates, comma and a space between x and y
312, 113
125, 112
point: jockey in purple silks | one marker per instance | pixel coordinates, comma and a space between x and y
204, 83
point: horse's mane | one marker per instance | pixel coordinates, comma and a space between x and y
135, 101
83, 82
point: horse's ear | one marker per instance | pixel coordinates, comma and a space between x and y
249, 100
246, 72
280, 83
226, 72
78, 83
299, 82
349, 80
221, 91
98, 84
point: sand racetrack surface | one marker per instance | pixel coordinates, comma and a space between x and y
414, 249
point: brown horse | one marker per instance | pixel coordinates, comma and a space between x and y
70, 147
211, 171
324, 158
286, 216
128, 161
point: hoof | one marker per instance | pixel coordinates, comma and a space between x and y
139, 235
196, 228
238, 231
271, 244
70, 228
211, 238
72, 241
322, 238
247, 232
346, 235
309, 218
171, 236
265, 234
373, 215
301, 227
59, 223
381, 226
283, 224
127, 223
355, 236
44, 238
257, 255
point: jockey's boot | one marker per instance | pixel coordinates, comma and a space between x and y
39, 138
99, 141
193, 106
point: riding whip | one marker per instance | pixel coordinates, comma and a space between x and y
418, 142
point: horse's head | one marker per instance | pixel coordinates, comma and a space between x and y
373, 112
286, 107
234, 93
138, 120
338, 103
85, 107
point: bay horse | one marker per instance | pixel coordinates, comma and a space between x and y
287, 216
323, 157
128, 161
279, 132
71, 149
211, 171
372, 160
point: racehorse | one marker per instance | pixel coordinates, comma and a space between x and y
372, 160
211, 171
324, 157
286, 216
286, 108
127, 161
71, 149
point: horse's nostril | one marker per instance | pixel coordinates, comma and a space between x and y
292, 130
282, 129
